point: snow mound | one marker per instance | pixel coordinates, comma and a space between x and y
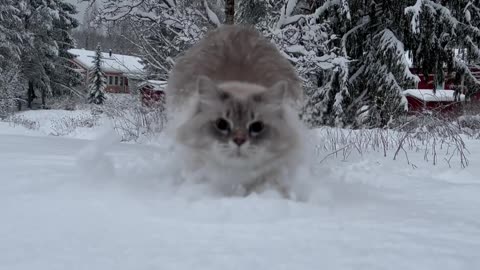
101, 204
73, 124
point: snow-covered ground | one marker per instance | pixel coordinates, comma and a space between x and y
72, 203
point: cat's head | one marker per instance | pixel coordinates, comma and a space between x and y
239, 123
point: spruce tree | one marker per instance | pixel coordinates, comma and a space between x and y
98, 80
11, 34
63, 77
39, 55
305, 34
11, 45
44, 53
440, 31
378, 71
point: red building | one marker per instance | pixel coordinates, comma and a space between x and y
123, 71
152, 92
428, 82
443, 100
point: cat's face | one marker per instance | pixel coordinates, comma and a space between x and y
238, 124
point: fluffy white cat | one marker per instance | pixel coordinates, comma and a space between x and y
232, 101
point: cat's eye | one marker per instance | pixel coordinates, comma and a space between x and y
255, 128
222, 125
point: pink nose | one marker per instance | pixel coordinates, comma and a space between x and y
239, 140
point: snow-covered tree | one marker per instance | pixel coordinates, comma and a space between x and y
380, 71
98, 81
162, 29
11, 42
11, 35
64, 78
47, 24
39, 54
306, 37
445, 37
11, 89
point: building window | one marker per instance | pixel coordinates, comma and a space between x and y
121, 81
110, 80
116, 80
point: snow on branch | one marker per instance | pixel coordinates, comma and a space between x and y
445, 14
170, 3
438, 11
467, 14
290, 6
463, 67
415, 11
299, 49
286, 18
473, 47
389, 43
211, 15
345, 37
114, 10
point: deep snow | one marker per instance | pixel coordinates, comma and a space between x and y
70, 203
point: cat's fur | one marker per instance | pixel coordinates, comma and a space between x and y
235, 74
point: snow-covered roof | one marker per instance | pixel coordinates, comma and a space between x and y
127, 64
157, 85
429, 95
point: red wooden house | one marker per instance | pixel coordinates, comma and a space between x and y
122, 71
444, 99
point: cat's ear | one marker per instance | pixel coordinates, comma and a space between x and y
275, 94
205, 86
208, 90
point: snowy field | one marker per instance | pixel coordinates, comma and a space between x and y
72, 202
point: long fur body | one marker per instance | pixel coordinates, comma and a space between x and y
223, 90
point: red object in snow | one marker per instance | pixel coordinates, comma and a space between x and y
152, 93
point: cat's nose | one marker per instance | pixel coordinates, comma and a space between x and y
239, 140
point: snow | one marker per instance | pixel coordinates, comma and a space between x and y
415, 10
389, 42
468, 16
70, 124
429, 95
127, 64
322, 9
211, 15
100, 204
157, 85
286, 18
298, 49
290, 6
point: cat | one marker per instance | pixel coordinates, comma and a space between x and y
232, 102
